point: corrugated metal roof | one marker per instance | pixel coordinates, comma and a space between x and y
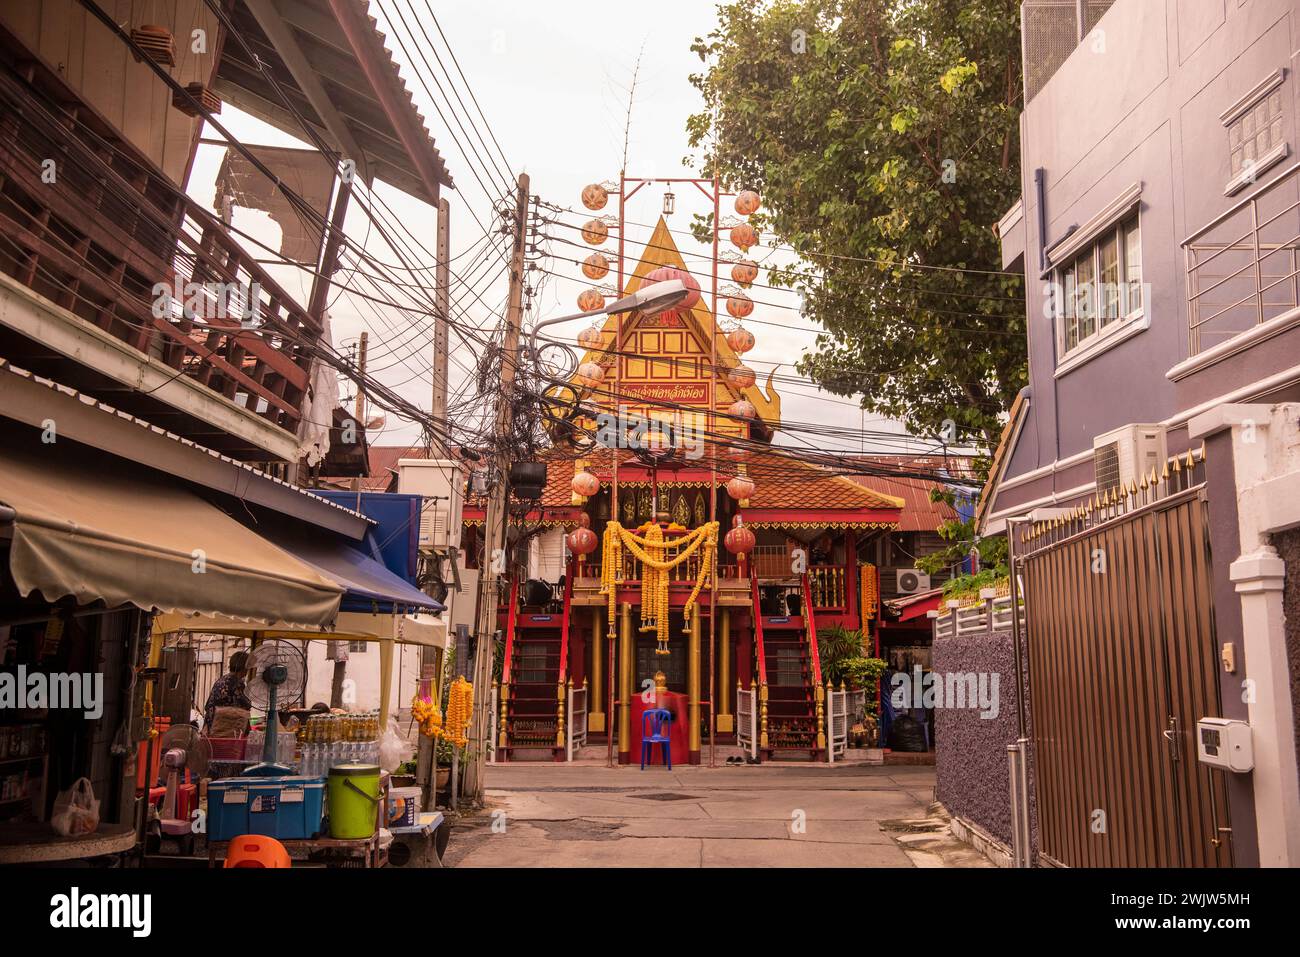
919, 513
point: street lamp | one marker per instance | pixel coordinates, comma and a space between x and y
650, 300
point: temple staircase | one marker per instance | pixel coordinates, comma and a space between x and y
530, 719
795, 709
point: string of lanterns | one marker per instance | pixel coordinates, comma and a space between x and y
739, 305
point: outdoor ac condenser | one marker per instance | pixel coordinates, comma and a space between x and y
1124, 455
442, 483
912, 580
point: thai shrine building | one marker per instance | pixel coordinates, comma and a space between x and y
629, 604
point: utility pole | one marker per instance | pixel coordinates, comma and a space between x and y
494, 528
441, 319
338, 650
426, 764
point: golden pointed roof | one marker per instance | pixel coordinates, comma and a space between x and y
661, 250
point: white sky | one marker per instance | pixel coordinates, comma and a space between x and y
552, 79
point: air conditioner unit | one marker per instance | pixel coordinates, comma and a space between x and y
1122, 456
912, 580
442, 483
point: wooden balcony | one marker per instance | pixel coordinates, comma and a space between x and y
90, 233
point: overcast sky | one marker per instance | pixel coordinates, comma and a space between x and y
553, 81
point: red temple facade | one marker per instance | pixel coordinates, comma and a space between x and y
745, 665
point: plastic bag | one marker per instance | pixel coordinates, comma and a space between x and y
393, 747
76, 810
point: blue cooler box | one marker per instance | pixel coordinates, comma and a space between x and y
287, 808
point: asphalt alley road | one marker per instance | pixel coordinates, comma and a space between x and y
776, 815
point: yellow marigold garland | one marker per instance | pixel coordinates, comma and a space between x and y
651, 551
428, 715
460, 708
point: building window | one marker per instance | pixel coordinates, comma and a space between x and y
356, 647
1256, 139
1100, 288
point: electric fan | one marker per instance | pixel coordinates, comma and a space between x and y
182, 749
279, 674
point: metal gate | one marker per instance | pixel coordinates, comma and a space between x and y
1121, 664
576, 738
837, 722
747, 721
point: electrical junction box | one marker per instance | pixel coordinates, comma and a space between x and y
1225, 743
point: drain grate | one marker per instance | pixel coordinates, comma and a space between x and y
663, 796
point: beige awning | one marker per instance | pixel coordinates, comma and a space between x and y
349, 626
98, 528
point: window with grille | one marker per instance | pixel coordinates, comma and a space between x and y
1256, 139
1099, 287
356, 647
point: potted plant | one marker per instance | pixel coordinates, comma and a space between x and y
404, 775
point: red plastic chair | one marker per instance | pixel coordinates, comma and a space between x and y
254, 850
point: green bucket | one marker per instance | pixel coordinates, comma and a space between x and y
353, 796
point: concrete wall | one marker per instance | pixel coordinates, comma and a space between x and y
971, 752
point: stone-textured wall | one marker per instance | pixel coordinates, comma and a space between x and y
970, 751
1288, 546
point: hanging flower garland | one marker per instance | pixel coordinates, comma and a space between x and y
460, 707
428, 715
652, 552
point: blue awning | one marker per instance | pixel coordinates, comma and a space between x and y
368, 585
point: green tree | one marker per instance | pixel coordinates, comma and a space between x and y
882, 136
960, 538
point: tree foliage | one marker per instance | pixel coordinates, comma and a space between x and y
883, 137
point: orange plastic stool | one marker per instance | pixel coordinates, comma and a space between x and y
254, 850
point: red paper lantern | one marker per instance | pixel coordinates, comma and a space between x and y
744, 236
747, 202
590, 338
585, 484
741, 377
744, 271
589, 375
595, 196
594, 232
595, 266
589, 300
582, 541
740, 488
740, 340
665, 273
740, 305
740, 409
739, 541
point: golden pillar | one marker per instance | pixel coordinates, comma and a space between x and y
726, 722
626, 638
596, 702
561, 706
819, 694
693, 688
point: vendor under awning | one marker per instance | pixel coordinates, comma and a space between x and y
377, 605
96, 528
